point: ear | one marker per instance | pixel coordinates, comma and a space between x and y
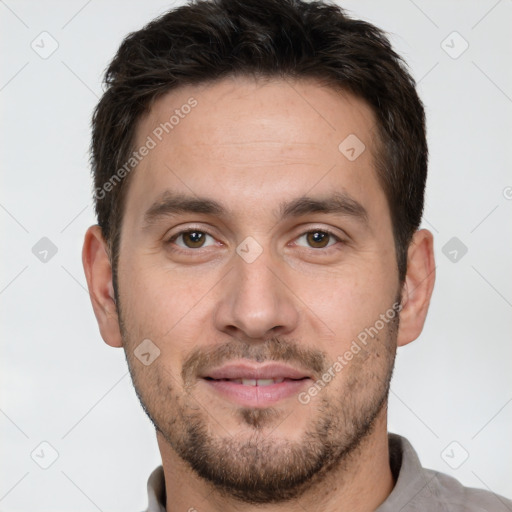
98, 272
418, 286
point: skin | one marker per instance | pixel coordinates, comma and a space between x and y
251, 145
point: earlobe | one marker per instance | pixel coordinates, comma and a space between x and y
418, 286
98, 272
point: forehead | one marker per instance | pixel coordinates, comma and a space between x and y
249, 141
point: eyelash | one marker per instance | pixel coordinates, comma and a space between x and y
314, 230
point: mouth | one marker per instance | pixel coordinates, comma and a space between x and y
257, 386
253, 382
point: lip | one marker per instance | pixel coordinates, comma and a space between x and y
246, 370
221, 381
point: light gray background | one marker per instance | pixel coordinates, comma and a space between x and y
61, 384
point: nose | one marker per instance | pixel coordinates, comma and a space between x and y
255, 301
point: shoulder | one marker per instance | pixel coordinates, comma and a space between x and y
452, 496
418, 489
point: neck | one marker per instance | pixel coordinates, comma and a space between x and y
360, 484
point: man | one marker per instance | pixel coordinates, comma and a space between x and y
259, 173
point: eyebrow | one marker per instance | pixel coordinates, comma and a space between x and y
171, 203
339, 203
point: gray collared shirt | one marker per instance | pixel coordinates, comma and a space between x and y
417, 489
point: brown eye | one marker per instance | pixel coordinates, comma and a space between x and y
191, 239
318, 239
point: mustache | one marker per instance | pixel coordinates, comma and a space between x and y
272, 349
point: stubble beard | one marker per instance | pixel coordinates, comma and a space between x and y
259, 467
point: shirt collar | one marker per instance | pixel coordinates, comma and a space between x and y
156, 491
411, 480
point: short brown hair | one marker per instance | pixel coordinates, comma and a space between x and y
207, 40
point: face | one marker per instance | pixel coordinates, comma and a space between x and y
254, 255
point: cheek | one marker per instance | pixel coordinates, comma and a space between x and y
164, 305
349, 299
